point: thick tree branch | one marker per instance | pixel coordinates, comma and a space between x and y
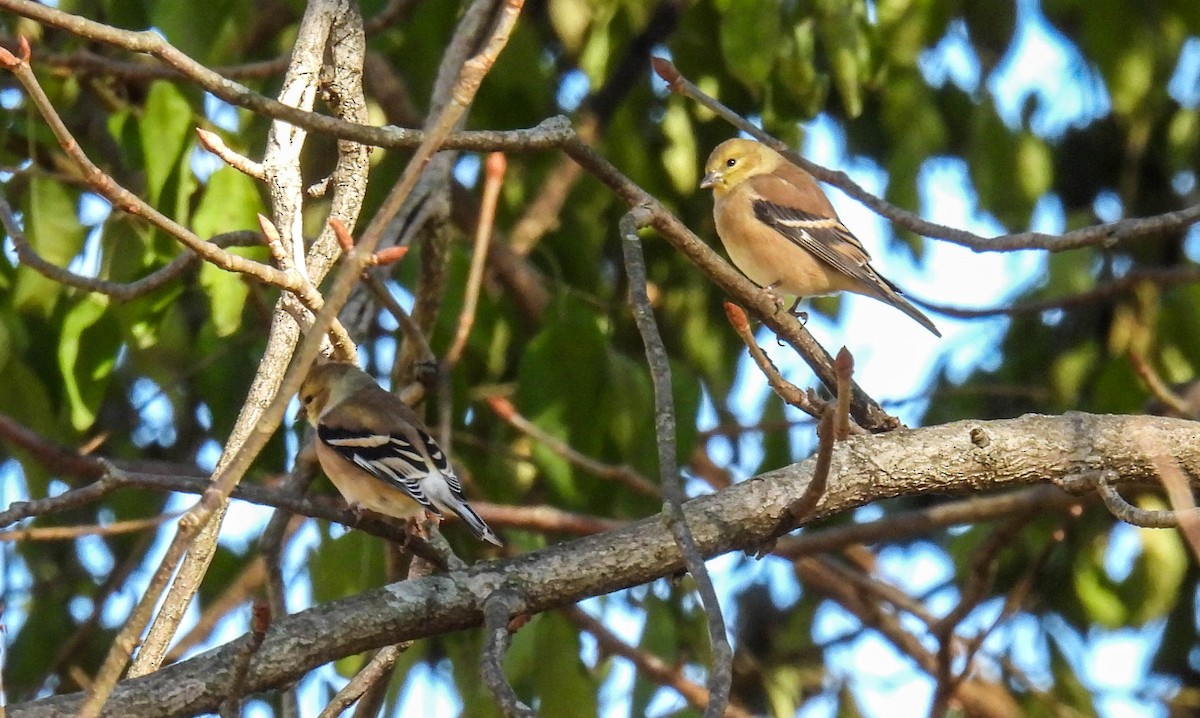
1030, 450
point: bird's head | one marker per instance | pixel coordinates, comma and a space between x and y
735, 160
325, 383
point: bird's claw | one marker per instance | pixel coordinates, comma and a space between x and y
779, 301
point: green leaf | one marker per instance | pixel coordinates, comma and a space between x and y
87, 351
566, 691
561, 377
54, 232
1154, 585
195, 27
164, 128
680, 158
571, 20
848, 52
230, 203
750, 39
346, 566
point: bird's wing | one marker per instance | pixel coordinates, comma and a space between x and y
390, 457
777, 204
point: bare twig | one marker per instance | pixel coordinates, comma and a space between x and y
117, 290
626, 475
1183, 502
494, 168
648, 664
721, 672
260, 619
1157, 386
379, 666
69, 533
412, 333
786, 390
1127, 512
1158, 276
216, 145
803, 506
843, 366
500, 607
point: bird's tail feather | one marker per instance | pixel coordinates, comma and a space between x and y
478, 526
906, 306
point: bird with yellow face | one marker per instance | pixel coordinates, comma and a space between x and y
780, 229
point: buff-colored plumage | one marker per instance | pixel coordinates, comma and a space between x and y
374, 449
781, 231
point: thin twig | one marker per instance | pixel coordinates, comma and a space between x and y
843, 366
500, 607
647, 664
120, 291
379, 665
721, 672
129, 202
799, 509
1183, 502
70, 533
1158, 387
412, 333
494, 168
783, 388
1158, 276
1127, 512
623, 474
216, 145
260, 619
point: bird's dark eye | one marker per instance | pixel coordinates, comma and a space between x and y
307, 399
730, 162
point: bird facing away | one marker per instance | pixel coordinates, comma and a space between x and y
781, 231
374, 449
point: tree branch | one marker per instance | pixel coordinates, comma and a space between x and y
1030, 450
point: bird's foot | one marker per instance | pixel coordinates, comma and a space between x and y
796, 312
779, 301
417, 527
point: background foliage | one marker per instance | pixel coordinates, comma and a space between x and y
904, 85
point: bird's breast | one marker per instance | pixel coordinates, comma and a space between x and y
360, 488
767, 257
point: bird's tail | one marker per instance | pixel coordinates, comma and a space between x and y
478, 526
885, 291
906, 306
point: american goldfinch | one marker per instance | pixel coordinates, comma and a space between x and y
375, 451
781, 231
